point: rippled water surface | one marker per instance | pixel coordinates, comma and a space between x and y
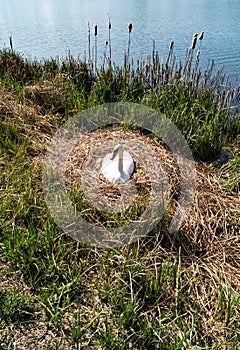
50, 28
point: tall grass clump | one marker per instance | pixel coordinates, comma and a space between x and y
200, 104
16, 70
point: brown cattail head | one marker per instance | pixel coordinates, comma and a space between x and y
171, 45
11, 43
194, 41
95, 30
201, 36
129, 27
109, 24
106, 42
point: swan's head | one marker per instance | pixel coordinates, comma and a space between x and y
116, 150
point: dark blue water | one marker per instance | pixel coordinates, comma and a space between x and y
50, 28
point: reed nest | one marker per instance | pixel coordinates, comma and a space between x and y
211, 229
154, 169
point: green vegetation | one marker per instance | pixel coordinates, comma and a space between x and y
15, 308
163, 292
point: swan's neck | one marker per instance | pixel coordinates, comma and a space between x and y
120, 161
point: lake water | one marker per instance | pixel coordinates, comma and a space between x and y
50, 28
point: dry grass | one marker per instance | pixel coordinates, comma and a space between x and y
93, 147
213, 227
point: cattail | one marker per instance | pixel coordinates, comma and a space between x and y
129, 27
171, 45
109, 41
201, 36
95, 34
95, 30
194, 41
170, 52
11, 43
106, 43
129, 41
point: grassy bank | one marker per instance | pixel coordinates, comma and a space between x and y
162, 292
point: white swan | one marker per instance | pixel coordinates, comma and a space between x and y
117, 166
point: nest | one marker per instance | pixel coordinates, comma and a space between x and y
153, 164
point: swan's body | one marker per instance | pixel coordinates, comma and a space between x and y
118, 166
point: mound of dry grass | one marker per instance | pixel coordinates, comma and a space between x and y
155, 172
24, 122
213, 226
49, 96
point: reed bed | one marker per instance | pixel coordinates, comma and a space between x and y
163, 291
202, 105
